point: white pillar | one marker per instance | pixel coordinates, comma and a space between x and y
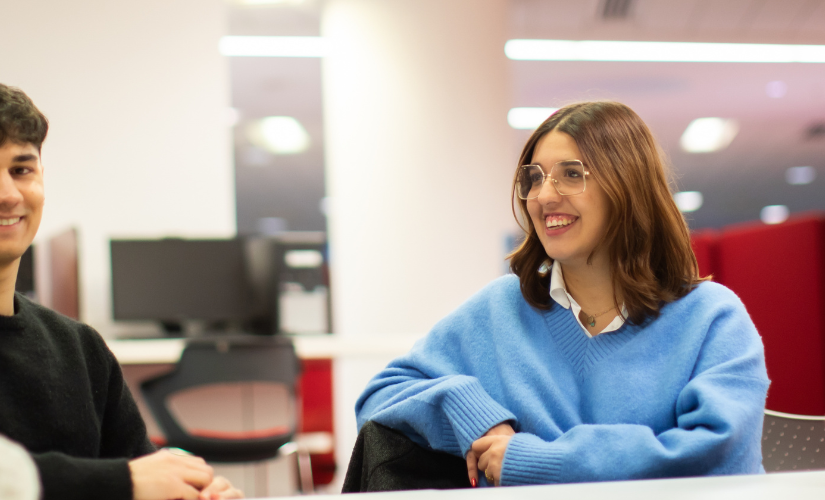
419, 167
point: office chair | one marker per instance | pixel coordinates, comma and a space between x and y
231, 360
793, 442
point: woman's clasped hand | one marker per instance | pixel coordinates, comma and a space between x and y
487, 453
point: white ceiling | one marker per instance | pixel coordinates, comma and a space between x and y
753, 21
736, 182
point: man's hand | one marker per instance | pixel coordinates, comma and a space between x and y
474, 464
164, 476
220, 489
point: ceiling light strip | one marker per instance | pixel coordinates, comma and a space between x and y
597, 50
272, 46
528, 118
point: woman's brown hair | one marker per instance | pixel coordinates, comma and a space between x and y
648, 242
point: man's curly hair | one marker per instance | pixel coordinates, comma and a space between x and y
20, 121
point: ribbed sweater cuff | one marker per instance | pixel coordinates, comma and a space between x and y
72, 478
530, 460
472, 412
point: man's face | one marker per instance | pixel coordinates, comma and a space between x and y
21, 199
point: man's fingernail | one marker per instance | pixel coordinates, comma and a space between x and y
473, 482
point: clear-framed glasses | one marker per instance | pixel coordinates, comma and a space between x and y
569, 177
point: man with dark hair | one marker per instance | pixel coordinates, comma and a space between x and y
20, 121
62, 394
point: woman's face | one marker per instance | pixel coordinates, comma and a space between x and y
569, 227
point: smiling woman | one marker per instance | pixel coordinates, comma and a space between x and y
625, 223
606, 356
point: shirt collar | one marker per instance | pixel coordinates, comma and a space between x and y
558, 292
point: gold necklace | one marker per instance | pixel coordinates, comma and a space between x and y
591, 318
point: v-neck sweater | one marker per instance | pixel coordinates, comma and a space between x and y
680, 395
63, 397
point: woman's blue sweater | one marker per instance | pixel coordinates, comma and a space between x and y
682, 395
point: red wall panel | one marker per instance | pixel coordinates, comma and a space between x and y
705, 243
778, 272
315, 390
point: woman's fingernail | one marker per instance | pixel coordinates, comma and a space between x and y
473, 482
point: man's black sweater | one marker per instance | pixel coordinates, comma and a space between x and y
63, 397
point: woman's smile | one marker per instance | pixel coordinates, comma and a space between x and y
557, 223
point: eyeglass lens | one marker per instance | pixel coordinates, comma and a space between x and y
567, 176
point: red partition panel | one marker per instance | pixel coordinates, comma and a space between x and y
704, 243
315, 390
778, 272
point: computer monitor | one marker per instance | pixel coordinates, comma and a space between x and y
173, 280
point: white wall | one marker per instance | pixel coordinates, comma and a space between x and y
418, 157
419, 167
136, 95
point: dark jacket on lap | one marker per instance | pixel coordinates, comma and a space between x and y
385, 460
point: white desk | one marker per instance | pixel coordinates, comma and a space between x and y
791, 485
164, 351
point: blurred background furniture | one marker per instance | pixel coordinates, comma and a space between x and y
262, 284
142, 359
254, 375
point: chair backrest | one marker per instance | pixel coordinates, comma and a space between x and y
793, 442
222, 360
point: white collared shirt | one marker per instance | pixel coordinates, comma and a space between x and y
558, 292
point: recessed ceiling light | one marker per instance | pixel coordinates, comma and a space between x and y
280, 135
528, 118
776, 89
272, 46
688, 201
774, 214
601, 50
798, 176
705, 135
